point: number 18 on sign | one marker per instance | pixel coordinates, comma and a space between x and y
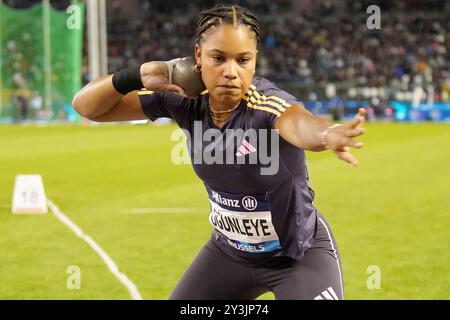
29, 194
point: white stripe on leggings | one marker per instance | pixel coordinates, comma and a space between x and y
335, 254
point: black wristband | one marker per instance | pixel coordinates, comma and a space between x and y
127, 80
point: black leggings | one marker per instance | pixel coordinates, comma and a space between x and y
213, 275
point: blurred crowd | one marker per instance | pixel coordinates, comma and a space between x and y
313, 48
322, 51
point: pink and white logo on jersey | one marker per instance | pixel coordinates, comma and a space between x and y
245, 148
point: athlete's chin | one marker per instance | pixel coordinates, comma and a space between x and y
231, 93
230, 99
230, 96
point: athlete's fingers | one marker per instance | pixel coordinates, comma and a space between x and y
359, 119
354, 144
351, 133
347, 157
347, 143
357, 122
342, 148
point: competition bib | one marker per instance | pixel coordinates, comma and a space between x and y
245, 222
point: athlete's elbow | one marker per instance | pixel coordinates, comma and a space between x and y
78, 105
82, 107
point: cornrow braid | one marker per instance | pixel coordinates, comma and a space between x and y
231, 14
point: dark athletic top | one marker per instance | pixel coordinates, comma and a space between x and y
258, 186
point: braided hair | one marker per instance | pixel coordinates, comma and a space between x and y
226, 14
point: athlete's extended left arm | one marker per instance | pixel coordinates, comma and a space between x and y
306, 131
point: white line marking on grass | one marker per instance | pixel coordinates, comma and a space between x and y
105, 257
164, 210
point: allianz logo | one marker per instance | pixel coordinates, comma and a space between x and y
248, 202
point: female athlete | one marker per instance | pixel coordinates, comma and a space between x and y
267, 233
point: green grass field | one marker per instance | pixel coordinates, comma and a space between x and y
392, 211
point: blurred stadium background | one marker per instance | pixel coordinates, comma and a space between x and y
118, 184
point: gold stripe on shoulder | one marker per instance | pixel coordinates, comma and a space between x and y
263, 100
258, 94
267, 103
250, 105
282, 102
204, 92
144, 92
250, 91
263, 108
